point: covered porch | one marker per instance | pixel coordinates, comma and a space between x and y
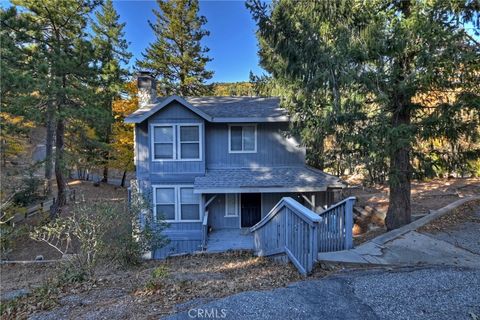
236, 199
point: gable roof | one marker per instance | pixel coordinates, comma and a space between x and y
145, 112
220, 109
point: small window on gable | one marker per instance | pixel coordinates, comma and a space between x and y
242, 138
231, 205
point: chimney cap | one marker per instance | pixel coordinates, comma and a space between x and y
145, 73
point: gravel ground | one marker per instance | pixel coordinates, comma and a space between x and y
407, 293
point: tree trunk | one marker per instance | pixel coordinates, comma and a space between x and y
49, 149
107, 141
60, 165
124, 177
399, 209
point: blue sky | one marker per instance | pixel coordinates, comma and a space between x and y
232, 41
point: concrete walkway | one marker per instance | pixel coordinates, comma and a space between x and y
406, 246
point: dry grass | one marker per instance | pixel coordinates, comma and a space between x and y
197, 278
464, 213
25, 248
215, 276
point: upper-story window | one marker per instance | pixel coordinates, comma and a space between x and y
242, 138
176, 142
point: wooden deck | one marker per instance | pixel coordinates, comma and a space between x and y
229, 239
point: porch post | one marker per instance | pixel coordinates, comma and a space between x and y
202, 206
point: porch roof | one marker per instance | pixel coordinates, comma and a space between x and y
252, 180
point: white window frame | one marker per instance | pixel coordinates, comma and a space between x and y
236, 205
176, 141
179, 142
230, 137
178, 205
155, 200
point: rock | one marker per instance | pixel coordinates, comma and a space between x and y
14, 294
39, 258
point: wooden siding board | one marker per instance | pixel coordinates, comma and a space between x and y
174, 114
216, 217
273, 149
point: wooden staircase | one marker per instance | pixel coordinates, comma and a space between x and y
294, 231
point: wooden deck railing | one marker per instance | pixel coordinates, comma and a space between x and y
205, 230
292, 229
335, 228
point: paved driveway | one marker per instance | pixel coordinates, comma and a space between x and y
407, 293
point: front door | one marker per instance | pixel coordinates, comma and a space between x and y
251, 209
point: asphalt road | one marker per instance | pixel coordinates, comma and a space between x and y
407, 293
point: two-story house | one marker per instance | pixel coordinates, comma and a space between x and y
232, 157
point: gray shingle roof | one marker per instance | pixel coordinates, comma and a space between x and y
220, 109
239, 107
300, 179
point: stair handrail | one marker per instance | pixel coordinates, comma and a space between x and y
306, 214
338, 204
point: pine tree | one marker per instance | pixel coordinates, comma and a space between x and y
177, 57
360, 75
59, 33
23, 68
112, 54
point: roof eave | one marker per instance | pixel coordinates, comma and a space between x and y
250, 119
197, 190
159, 106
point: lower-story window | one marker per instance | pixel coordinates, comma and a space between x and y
176, 203
164, 203
231, 205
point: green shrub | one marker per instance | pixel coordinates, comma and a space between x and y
107, 233
158, 274
29, 192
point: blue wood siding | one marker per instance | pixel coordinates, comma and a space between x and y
216, 215
142, 150
177, 247
185, 237
158, 170
273, 148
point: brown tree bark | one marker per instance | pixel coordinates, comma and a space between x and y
124, 177
106, 157
50, 123
399, 208
60, 164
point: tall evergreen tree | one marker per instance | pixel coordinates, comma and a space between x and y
23, 73
112, 55
59, 32
177, 56
365, 71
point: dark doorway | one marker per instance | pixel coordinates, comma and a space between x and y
251, 206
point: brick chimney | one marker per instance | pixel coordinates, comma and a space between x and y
147, 88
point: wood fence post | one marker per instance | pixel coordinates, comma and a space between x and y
349, 223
